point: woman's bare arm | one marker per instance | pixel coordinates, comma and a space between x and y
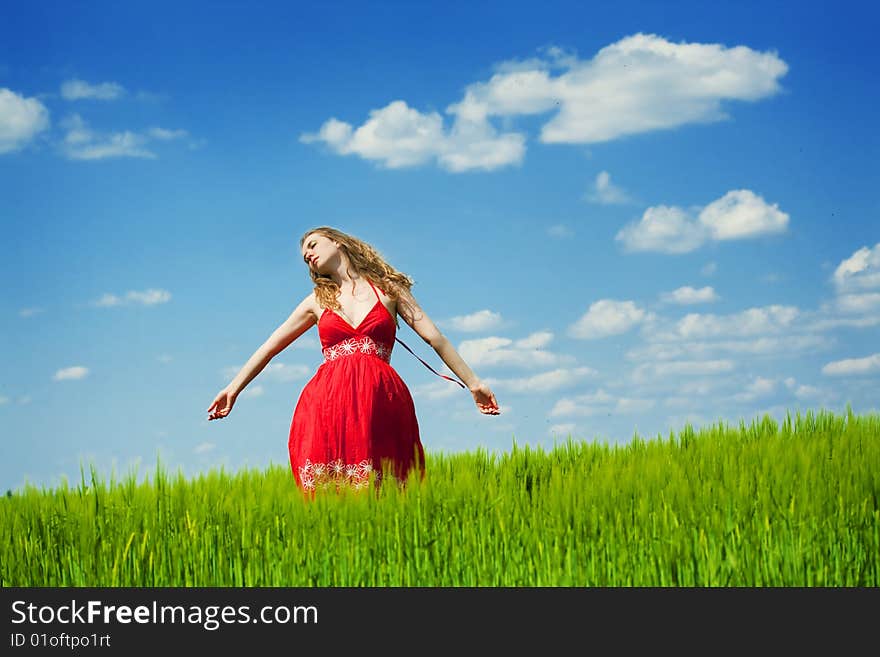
409, 309
301, 319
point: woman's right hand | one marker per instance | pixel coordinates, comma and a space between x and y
222, 405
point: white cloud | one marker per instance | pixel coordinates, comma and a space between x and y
688, 295
79, 89
627, 406
847, 322
759, 387
30, 312
476, 145
396, 134
754, 321
107, 300
204, 448
605, 192
285, 373
641, 83
71, 373
709, 268
859, 303
653, 371
536, 340
607, 317
644, 83
81, 143
664, 229
149, 297
565, 429
739, 214
253, 391
164, 134
848, 366
21, 119
544, 382
860, 271
788, 344
499, 351
436, 390
399, 136
583, 405
598, 403
802, 391
482, 320
807, 392
699, 387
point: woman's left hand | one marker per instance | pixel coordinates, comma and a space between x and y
485, 399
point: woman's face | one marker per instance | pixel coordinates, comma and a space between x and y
318, 251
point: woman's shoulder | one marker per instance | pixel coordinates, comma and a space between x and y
310, 302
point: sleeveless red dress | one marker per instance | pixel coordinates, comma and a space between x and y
355, 416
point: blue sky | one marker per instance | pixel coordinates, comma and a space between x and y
625, 217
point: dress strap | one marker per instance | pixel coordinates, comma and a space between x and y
428, 366
374, 289
414, 353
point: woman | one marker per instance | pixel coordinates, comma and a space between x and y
355, 416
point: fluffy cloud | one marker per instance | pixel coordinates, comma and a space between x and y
600, 402
544, 382
399, 136
664, 370
79, 90
164, 134
605, 192
588, 404
21, 119
739, 214
742, 214
859, 303
860, 271
687, 295
788, 344
850, 366
82, 143
149, 297
759, 387
607, 317
527, 352
754, 321
638, 84
482, 320
71, 373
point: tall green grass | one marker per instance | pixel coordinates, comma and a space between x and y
762, 504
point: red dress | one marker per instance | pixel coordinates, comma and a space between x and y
355, 416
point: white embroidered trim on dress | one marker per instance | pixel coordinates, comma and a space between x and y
336, 473
363, 345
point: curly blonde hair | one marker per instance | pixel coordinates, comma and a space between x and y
366, 261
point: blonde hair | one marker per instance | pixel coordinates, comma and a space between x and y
366, 261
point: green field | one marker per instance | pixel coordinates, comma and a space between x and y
759, 504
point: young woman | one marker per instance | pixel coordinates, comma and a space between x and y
355, 416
